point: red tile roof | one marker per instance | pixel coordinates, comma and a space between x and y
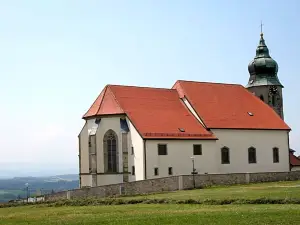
105, 104
227, 106
294, 160
155, 112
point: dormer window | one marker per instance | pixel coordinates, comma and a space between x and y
181, 129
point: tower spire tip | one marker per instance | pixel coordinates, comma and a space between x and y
261, 29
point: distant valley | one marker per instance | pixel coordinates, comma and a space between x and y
14, 188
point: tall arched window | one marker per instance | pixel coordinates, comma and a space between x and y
225, 156
275, 155
251, 155
110, 147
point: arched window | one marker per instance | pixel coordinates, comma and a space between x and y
261, 97
110, 147
225, 157
275, 155
273, 100
251, 155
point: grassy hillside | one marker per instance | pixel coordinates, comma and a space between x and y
72, 212
12, 188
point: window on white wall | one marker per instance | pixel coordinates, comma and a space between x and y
110, 148
252, 155
132, 151
275, 155
170, 171
197, 149
156, 171
225, 156
133, 170
162, 149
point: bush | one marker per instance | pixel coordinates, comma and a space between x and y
118, 201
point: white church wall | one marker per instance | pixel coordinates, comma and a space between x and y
179, 153
136, 159
106, 179
86, 180
84, 149
238, 141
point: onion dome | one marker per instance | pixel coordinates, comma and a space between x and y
263, 69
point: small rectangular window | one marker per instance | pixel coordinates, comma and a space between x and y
275, 155
225, 158
155, 171
133, 170
197, 149
252, 155
132, 151
170, 170
162, 149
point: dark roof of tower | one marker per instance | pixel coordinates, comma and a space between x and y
263, 69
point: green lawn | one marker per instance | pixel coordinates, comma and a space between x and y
153, 214
173, 213
273, 190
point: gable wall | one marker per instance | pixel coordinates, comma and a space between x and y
238, 141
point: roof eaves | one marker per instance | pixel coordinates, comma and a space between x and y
151, 135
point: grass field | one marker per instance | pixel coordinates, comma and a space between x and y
153, 214
173, 213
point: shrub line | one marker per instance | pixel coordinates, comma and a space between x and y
111, 201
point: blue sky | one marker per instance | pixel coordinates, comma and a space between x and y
56, 56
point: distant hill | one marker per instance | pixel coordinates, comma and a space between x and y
15, 187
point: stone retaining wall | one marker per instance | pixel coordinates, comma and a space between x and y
173, 183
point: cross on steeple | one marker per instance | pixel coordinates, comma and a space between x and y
261, 28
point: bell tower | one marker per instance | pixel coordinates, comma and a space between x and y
263, 81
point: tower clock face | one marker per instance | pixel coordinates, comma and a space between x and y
273, 90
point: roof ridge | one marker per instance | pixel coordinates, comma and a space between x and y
114, 96
105, 89
132, 86
208, 82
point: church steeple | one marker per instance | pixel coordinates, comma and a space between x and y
263, 80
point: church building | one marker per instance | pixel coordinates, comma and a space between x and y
135, 133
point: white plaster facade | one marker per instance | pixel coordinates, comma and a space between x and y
179, 153
238, 142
